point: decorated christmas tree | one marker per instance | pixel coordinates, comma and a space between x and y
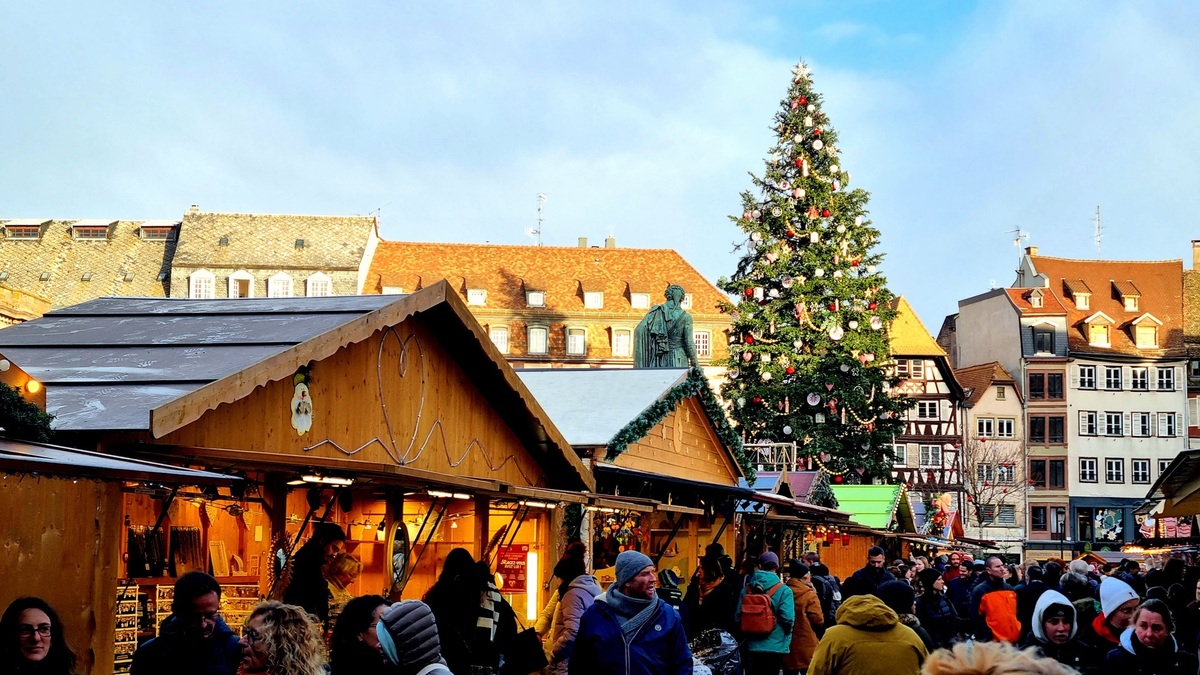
809, 352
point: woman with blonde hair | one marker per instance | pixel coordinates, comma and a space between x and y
991, 658
281, 639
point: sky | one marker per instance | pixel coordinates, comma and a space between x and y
964, 120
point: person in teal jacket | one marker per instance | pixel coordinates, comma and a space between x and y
766, 652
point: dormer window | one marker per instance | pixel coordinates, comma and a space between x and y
1099, 327
90, 232
477, 296
639, 300
535, 298
24, 232
686, 303
1083, 301
1080, 293
392, 290
1129, 294
593, 300
1036, 299
158, 230
1145, 332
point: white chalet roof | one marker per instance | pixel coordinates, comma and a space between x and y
590, 405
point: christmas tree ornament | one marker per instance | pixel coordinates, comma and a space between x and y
811, 108
819, 418
844, 368
825, 213
798, 139
785, 185
837, 274
771, 326
857, 221
817, 131
800, 72
790, 370
803, 100
812, 212
746, 356
852, 324
798, 344
808, 121
766, 376
813, 398
836, 259
775, 157
756, 214
836, 333
795, 103
854, 262
772, 257
758, 292
819, 272
776, 211
757, 399
870, 269
787, 430
790, 232
734, 373
749, 339
872, 305
804, 166
749, 292
836, 186
786, 282
755, 236
833, 169
734, 316
798, 193
741, 402
814, 237
765, 357
876, 323
817, 145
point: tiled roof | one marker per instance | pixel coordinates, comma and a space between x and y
1160, 284
975, 380
1051, 305
263, 240
1126, 289
66, 262
908, 336
564, 273
1191, 307
1076, 287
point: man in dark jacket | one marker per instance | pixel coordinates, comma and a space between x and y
994, 605
194, 640
1027, 596
868, 580
829, 592
629, 630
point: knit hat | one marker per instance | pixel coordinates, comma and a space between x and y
797, 569
668, 579
928, 576
408, 634
898, 596
1113, 594
629, 563
769, 558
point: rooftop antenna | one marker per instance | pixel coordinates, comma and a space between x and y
1098, 235
536, 231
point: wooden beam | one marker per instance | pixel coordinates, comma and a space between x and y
483, 506
547, 495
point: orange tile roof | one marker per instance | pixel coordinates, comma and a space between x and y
1051, 304
975, 380
1160, 283
564, 273
908, 336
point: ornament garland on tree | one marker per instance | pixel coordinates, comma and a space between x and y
811, 304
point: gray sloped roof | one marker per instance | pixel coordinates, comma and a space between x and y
43, 458
107, 363
267, 240
569, 396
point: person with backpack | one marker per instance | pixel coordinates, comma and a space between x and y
829, 593
766, 615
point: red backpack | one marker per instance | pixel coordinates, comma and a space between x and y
758, 616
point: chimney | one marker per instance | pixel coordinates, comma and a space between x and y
1030, 250
583, 242
1196, 254
610, 242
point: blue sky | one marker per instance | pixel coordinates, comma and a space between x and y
639, 120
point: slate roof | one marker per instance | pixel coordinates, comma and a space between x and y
975, 380
908, 336
45, 459
67, 260
568, 395
331, 243
564, 273
1160, 284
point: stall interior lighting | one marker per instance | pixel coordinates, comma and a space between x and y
601, 509
538, 505
325, 480
448, 495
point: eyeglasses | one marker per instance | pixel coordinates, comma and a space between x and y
27, 631
251, 635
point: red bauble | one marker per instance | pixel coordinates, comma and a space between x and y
825, 213
817, 131
854, 263
872, 305
749, 292
757, 399
803, 100
749, 339
832, 307
800, 162
789, 370
791, 233
838, 479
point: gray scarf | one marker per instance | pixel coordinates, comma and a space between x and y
633, 612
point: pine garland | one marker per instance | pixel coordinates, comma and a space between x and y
22, 420
695, 385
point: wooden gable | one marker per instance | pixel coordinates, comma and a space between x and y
683, 444
398, 399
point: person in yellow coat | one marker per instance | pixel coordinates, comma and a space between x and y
868, 640
809, 617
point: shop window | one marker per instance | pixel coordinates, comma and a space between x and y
499, 335
1058, 473
622, 339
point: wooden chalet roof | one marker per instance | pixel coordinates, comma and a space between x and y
78, 270
564, 273
156, 365
46, 459
330, 243
908, 336
1159, 284
975, 380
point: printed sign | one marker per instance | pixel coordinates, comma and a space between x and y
512, 566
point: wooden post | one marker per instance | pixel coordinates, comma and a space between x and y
275, 498
483, 505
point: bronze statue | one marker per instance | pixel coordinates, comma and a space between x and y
663, 339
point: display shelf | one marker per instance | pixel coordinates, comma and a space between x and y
125, 640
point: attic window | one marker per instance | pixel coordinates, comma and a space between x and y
593, 300
299, 243
44, 277
1146, 335
1131, 303
639, 300
392, 290
26, 232
90, 232
1035, 299
1083, 301
687, 301
1098, 335
156, 233
4, 275
223, 241
87, 276
535, 298
477, 296
129, 276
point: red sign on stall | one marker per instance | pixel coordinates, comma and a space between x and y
512, 567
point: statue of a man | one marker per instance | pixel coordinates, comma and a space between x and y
664, 337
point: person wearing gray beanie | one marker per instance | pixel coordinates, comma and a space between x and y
408, 638
629, 629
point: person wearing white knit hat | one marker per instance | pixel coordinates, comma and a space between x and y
1117, 602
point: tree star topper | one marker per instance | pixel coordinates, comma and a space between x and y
800, 71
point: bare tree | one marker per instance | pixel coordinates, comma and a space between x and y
993, 477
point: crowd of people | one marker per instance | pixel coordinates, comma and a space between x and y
953, 615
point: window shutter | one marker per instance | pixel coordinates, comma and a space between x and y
1180, 430
1193, 409
1151, 379
1075, 377
1179, 381
232, 287
1125, 427
1161, 424
1082, 422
